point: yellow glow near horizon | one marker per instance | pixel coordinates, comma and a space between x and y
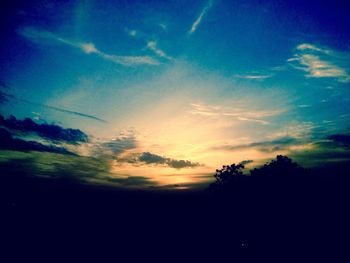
165, 176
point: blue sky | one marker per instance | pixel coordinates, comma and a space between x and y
189, 80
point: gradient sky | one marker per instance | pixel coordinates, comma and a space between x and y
211, 82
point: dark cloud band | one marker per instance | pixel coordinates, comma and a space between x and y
151, 158
49, 131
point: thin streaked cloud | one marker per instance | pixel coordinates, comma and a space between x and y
37, 35
5, 97
253, 76
200, 17
153, 46
304, 106
239, 114
310, 47
63, 110
253, 120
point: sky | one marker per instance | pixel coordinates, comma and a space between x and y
169, 91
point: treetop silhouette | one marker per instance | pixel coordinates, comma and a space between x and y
232, 175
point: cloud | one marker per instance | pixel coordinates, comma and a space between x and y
263, 146
113, 148
253, 120
52, 165
343, 139
152, 45
178, 164
129, 60
31, 158
313, 151
66, 169
319, 63
89, 48
304, 106
254, 77
125, 149
150, 158
131, 181
240, 114
332, 151
49, 131
4, 97
311, 47
40, 36
132, 33
74, 113
245, 162
163, 26
7, 142
316, 67
64, 110
8, 96
200, 17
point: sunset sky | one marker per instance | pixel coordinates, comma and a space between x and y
169, 91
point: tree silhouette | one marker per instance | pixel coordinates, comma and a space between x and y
227, 176
275, 171
281, 168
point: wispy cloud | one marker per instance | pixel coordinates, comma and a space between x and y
304, 106
239, 114
153, 46
130, 60
310, 47
200, 17
319, 63
132, 33
254, 76
263, 146
253, 120
89, 48
4, 97
40, 36
163, 26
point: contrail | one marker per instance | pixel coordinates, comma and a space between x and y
200, 17
55, 108
65, 111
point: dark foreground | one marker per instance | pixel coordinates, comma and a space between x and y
55, 220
